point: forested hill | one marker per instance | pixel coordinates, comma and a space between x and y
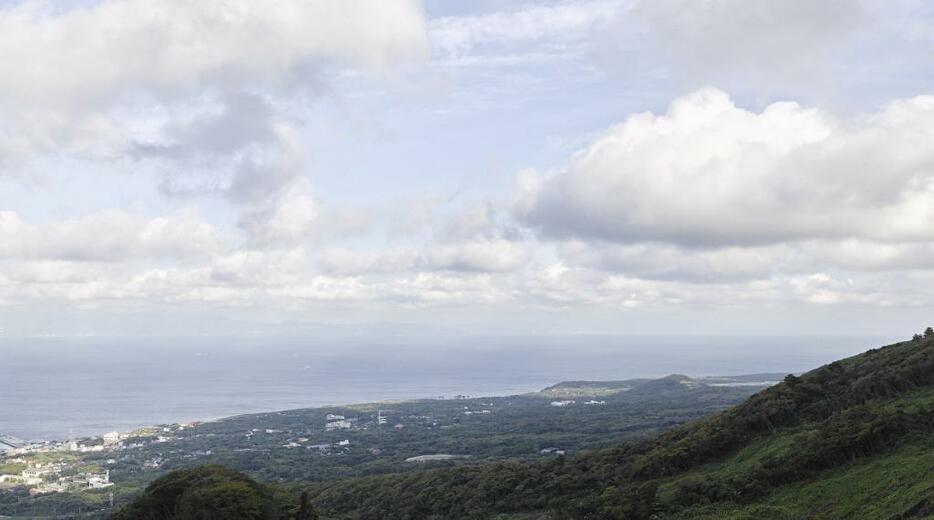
852, 439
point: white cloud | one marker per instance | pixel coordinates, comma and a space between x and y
109, 236
713, 206
411, 291
344, 261
188, 85
710, 173
291, 220
706, 206
258, 268
565, 286
482, 256
238, 147
485, 255
296, 217
659, 261
576, 287
90, 55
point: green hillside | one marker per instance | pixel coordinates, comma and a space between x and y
897, 485
848, 440
853, 439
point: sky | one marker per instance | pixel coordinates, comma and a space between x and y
372, 167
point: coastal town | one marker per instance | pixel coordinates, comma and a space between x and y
76, 465
55, 467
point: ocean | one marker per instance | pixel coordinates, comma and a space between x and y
53, 388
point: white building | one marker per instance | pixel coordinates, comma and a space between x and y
100, 481
341, 424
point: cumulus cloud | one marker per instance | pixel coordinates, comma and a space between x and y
273, 280
659, 261
109, 236
258, 268
711, 173
188, 87
573, 287
290, 220
707, 205
237, 147
169, 47
297, 216
413, 291
344, 261
58, 94
486, 256
473, 237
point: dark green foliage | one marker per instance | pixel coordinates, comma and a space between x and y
204, 493
636, 503
306, 511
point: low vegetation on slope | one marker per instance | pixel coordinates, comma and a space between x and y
895, 486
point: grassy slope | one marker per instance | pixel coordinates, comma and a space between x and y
882, 487
887, 486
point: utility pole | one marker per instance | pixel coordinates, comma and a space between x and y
492, 419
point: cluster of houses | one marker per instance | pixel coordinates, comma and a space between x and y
108, 441
47, 478
59, 476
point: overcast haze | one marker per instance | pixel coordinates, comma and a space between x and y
442, 167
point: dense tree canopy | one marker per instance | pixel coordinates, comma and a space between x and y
204, 493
